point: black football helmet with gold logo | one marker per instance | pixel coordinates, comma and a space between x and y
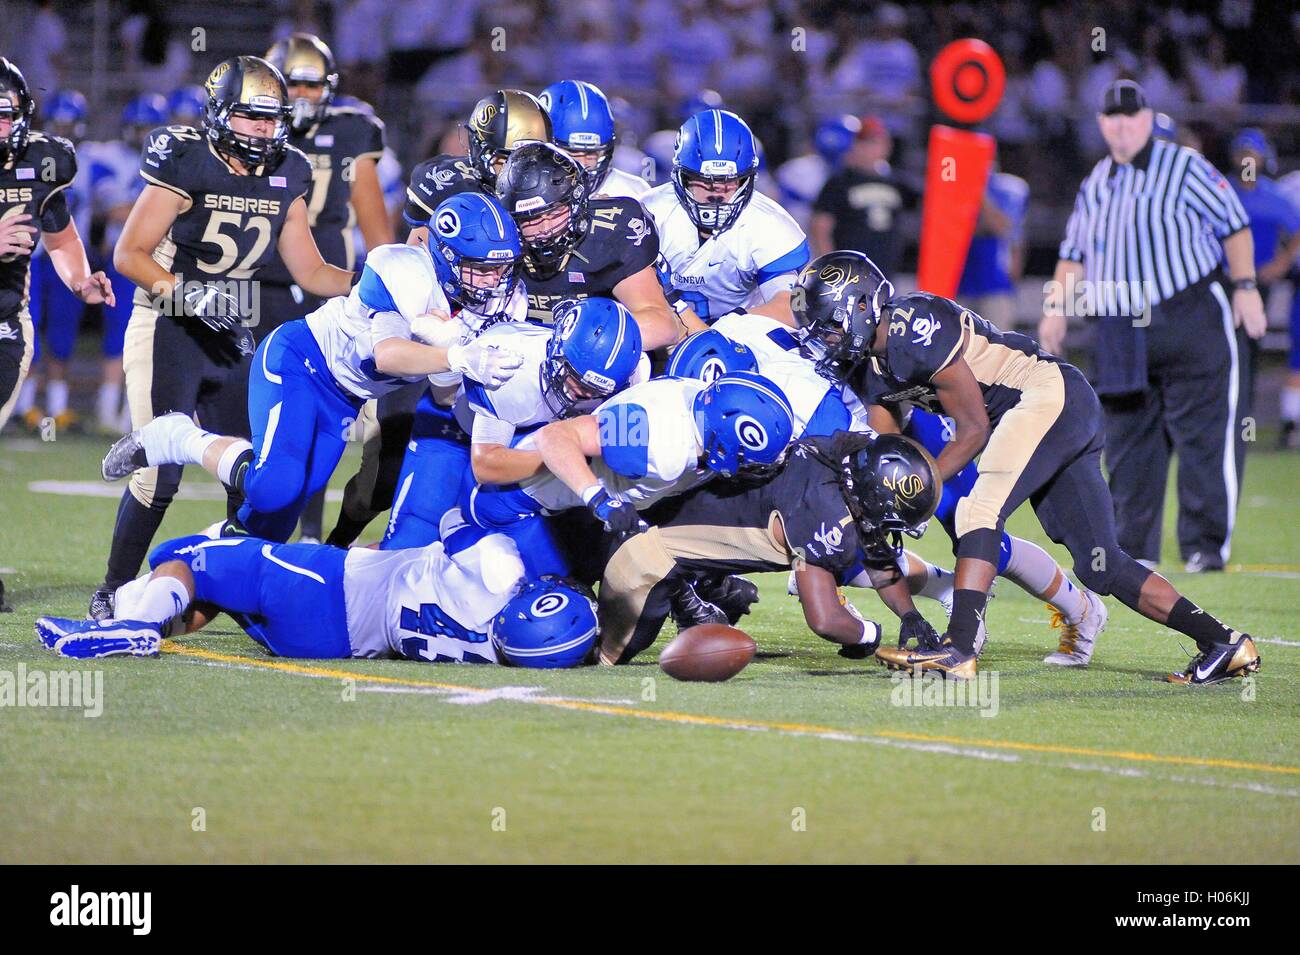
17, 105
252, 88
892, 487
836, 306
500, 122
305, 60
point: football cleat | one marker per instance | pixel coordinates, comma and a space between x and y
1078, 640
95, 639
125, 457
944, 659
688, 609
1201, 563
101, 605
1222, 661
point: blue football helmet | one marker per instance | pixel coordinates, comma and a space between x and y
65, 114
593, 352
835, 135
185, 105
708, 355
745, 424
583, 125
147, 109
475, 249
715, 146
1164, 127
1253, 139
549, 624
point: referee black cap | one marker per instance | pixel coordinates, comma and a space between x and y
1123, 96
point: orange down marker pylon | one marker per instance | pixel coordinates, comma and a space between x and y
967, 79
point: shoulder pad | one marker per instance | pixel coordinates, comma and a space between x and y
398, 278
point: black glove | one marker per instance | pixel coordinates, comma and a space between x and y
914, 626
619, 518
211, 304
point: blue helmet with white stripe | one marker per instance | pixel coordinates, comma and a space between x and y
186, 104
583, 125
745, 424
708, 355
715, 149
65, 114
835, 135
549, 624
147, 109
475, 249
594, 350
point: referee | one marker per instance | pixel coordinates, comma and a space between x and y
1153, 227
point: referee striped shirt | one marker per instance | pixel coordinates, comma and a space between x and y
1148, 229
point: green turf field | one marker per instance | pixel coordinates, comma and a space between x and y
803, 757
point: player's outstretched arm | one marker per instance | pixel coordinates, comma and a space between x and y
565, 447
498, 464
962, 400
302, 258
644, 297
68, 256
404, 358
151, 218
826, 616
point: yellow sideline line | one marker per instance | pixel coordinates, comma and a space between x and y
695, 719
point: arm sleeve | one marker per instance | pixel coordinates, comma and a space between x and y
1208, 193
488, 429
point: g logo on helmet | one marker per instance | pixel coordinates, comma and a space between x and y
564, 324
751, 434
447, 223
548, 605
713, 368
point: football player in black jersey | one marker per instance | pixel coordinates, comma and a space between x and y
35, 169
343, 145
498, 123
1035, 423
576, 246
832, 496
219, 204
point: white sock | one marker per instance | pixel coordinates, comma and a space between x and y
228, 459
938, 584
56, 398
174, 439
1069, 600
26, 397
107, 402
163, 599
1035, 571
1031, 567
1291, 401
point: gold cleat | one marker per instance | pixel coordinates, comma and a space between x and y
1221, 662
944, 659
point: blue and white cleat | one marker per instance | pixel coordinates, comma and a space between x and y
93, 639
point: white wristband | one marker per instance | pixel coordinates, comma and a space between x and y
591, 492
870, 632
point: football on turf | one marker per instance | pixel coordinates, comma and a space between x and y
710, 653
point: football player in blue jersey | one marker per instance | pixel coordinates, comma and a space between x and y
723, 245
583, 126
312, 601
311, 376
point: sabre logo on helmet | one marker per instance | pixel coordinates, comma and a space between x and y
549, 624
745, 424
593, 352
247, 88
306, 62
475, 249
837, 305
499, 123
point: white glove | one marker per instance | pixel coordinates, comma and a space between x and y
436, 329
490, 366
